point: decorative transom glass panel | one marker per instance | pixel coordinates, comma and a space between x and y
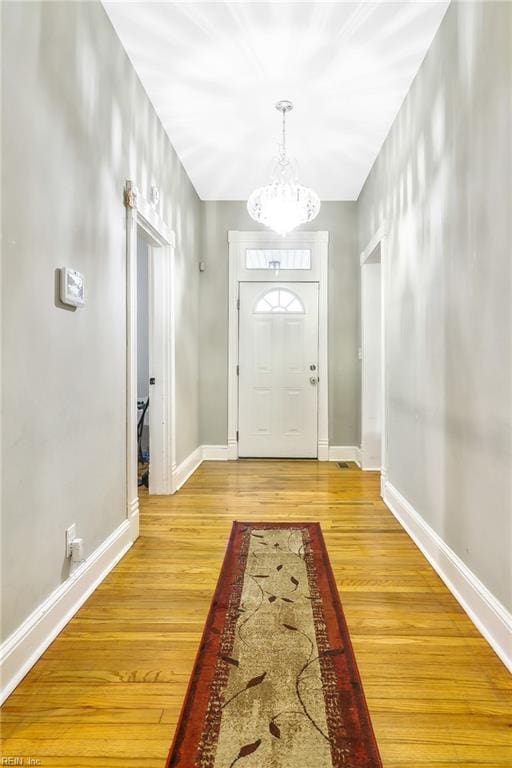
278, 258
280, 300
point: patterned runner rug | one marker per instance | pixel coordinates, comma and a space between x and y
275, 684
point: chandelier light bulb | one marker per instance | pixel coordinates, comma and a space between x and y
284, 203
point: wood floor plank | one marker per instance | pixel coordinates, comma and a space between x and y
108, 692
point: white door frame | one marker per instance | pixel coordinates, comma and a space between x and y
318, 242
140, 213
380, 238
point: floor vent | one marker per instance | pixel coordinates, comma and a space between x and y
346, 464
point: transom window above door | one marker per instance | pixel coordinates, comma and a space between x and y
278, 258
279, 300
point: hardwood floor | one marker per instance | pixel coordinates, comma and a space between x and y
108, 691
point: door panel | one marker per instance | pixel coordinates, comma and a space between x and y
293, 405
261, 411
263, 351
294, 345
278, 393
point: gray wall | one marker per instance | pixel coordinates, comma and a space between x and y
76, 123
443, 182
344, 367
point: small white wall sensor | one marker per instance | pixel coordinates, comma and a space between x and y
72, 287
70, 535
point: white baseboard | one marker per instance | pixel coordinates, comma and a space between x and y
229, 453
216, 453
134, 518
24, 647
383, 481
188, 466
359, 457
322, 450
489, 616
325, 453
232, 450
343, 453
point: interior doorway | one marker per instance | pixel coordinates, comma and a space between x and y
153, 363
278, 370
155, 376
372, 374
374, 262
143, 369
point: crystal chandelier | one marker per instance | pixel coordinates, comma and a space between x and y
284, 203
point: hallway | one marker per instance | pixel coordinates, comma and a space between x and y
108, 691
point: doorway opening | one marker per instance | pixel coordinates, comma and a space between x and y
371, 343
373, 354
143, 370
148, 233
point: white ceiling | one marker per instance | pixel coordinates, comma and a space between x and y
213, 71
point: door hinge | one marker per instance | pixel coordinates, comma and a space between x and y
237, 435
238, 370
238, 303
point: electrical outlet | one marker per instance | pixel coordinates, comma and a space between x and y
70, 535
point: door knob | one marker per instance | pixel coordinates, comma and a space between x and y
313, 379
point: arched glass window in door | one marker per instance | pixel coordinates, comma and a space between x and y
279, 300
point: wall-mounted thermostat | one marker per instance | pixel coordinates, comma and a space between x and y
72, 287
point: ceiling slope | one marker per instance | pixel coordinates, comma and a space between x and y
213, 71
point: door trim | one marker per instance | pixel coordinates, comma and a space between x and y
319, 243
380, 238
140, 213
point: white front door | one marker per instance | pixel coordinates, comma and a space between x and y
278, 370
